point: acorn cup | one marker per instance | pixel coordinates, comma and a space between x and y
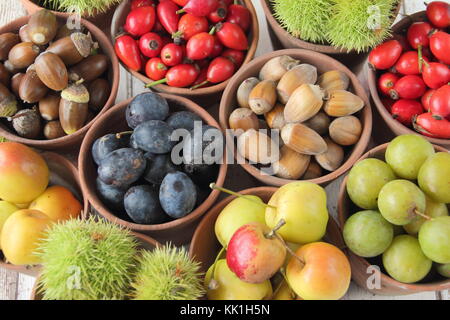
8, 103
22, 55
73, 107
27, 123
73, 48
42, 27
31, 88
65, 31
52, 71
7, 41
90, 68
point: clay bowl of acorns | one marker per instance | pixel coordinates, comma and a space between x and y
393, 209
177, 51
317, 114
133, 173
337, 29
410, 86
228, 223
32, 200
56, 81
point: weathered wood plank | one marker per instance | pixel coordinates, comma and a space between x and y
24, 286
8, 284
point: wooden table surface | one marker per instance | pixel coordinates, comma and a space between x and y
18, 286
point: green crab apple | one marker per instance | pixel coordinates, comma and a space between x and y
434, 177
434, 238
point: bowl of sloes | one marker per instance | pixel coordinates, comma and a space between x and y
142, 165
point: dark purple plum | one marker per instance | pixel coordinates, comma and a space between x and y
107, 144
153, 136
111, 196
146, 106
183, 120
158, 165
142, 205
122, 167
177, 194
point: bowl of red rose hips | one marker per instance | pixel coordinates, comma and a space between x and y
185, 47
409, 75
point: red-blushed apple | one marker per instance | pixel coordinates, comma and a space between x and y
21, 235
253, 255
24, 173
321, 272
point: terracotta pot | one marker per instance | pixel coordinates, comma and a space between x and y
288, 41
178, 231
145, 242
64, 173
72, 140
205, 246
397, 127
389, 286
204, 94
323, 63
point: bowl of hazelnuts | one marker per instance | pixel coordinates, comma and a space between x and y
57, 75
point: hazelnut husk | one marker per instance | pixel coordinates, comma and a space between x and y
73, 107
52, 71
23, 34
15, 83
8, 103
31, 88
74, 48
7, 41
49, 107
5, 76
22, 55
90, 68
42, 27
53, 130
27, 123
99, 92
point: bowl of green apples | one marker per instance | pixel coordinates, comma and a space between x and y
272, 243
393, 209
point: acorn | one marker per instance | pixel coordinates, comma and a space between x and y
74, 48
275, 117
27, 123
49, 107
304, 103
73, 107
7, 41
244, 119
263, 97
302, 139
11, 69
22, 55
333, 80
90, 68
99, 92
292, 165
65, 31
319, 123
52, 71
343, 103
313, 171
53, 130
8, 103
294, 78
31, 88
5, 76
345, 131
244, 90
332, 158
257, 147
15, 83
42, 27
23, 34
276, 67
